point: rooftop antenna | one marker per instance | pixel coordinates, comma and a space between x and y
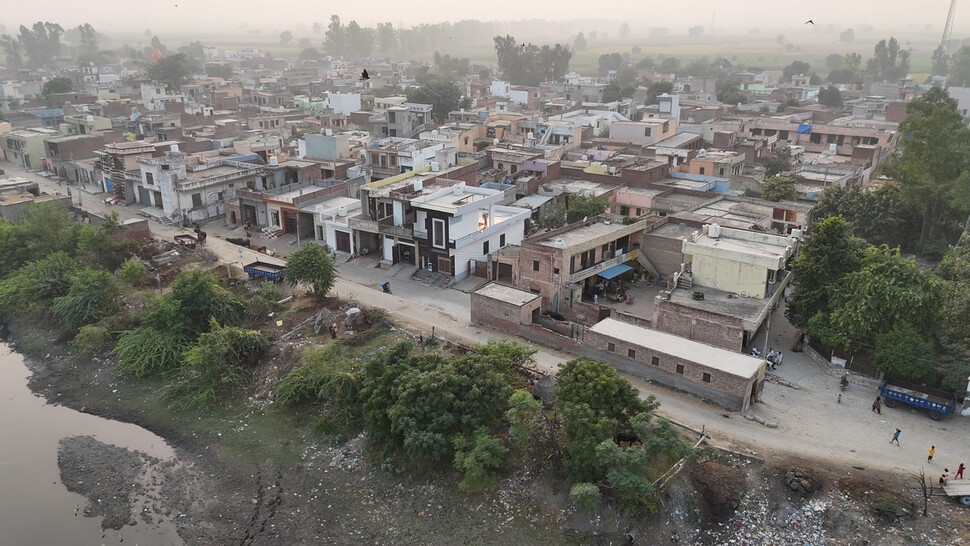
948, 29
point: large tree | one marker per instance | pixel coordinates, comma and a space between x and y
442, 93
173, 71
779, 188
311, 265
932, 160
529, 64
828, 254
888, 61
960, 67
887, 291
878, 216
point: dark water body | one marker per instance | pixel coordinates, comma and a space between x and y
35, 507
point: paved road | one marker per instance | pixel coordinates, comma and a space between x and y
810, 421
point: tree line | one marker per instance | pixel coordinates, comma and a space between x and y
856, 289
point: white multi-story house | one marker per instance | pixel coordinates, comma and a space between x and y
457, 227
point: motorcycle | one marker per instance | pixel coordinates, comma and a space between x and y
386, 287
845, 381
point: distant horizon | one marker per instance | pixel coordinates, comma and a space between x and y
297, 16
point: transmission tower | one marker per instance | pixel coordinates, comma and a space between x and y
948, 30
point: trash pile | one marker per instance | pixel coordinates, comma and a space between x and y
755, 524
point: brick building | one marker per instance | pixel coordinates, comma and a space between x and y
727, 378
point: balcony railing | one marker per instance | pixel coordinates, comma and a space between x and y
370, 226
605, 264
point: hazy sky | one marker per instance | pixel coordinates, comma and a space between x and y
227, 15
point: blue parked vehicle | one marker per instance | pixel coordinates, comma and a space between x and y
939, 403
268, 271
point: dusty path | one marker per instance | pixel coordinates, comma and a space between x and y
810, 422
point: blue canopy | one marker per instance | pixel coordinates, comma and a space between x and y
804, 129
614, 271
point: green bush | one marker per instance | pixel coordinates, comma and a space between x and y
133, 273
214, 366
146, 350
92, 296
478, 457
92, 339
324, 375
585, 497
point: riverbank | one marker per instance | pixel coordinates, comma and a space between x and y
250, 474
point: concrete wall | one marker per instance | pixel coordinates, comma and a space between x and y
704, 326
665, 253
730, 275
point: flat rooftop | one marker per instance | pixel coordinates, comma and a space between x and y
506, 294
671, 230
776, 247
749, 310
221, 170
650, 192
737, 364
582, 234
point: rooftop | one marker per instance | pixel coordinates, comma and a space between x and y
222, 170
582, 234
713, 357
506, 294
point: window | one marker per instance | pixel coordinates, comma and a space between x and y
646, 131
535, 265
438, 233
706, 378
655, 360
555, 270
631, 353
485, 247
702, 170
611, 347
149, 179
722, 171
501, 240
196, 199
220, 196
680, 369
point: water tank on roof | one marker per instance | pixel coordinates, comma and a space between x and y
458, 189
175, 148
560, 244
714, 231
273, 161
375, 144
341, 211
495, 141
328, 132
811, 194
418, 185
531, 135
702, 153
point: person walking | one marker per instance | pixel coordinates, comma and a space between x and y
840, 398
930, 453
895, 437
877, 405
959, 474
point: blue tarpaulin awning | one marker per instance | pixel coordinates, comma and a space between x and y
804, 129
614, 271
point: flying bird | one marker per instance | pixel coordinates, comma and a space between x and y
810, 22
364, 75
